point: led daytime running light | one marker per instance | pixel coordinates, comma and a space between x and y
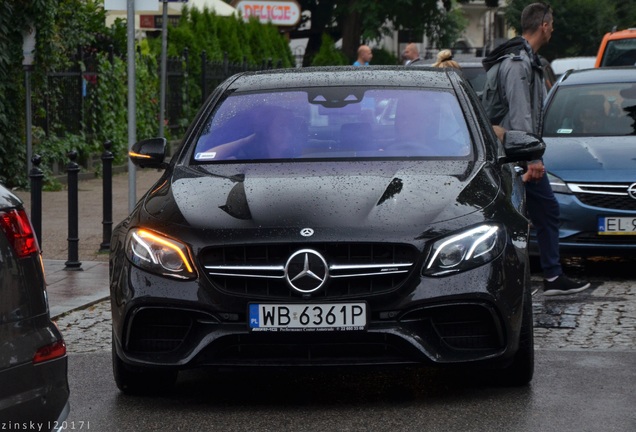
164, 242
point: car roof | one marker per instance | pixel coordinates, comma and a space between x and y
374, 76
621, 34
560, 65
599, 75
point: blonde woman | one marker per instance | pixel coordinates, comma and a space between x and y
445, 59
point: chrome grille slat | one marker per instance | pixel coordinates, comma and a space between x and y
368, 274
603, 189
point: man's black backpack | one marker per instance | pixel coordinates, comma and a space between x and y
491, 97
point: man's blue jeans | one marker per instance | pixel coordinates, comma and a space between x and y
543, 210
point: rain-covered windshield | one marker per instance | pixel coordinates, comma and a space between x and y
592, 110
335, 123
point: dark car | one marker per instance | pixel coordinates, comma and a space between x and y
294, 228
475, 74
590, 134
33, 364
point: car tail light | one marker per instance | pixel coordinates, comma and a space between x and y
50, 352
16, 226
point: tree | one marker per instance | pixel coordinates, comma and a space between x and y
328, 55
579, 25
357, 21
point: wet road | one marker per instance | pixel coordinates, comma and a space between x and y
584, 381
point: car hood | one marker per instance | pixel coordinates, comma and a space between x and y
337, 196
591, 159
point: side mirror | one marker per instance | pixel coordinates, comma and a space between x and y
149, 153
522, 146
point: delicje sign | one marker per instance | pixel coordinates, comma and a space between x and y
278, 12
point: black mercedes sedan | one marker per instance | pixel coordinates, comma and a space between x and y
328, 217
34, 391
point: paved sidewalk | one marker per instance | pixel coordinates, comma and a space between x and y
70, 289
75, 289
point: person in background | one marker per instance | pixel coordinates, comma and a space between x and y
411, 55
445, 59
591, 120
523, 91
364, 56
272, 133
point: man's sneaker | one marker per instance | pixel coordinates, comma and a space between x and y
563, 286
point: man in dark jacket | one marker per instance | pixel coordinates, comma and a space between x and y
522, 91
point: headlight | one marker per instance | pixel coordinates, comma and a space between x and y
159, 254
558, 185
465, 250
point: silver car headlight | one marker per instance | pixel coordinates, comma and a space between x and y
558, 185
465, 250
159, 254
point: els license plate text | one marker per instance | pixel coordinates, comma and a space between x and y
610, 225
308, 317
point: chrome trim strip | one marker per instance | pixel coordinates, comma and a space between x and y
333, 276
601, 189
248, 267
337, 267
262, 276
381, 269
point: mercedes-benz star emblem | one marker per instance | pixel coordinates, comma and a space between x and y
306, 232
306, 271
631, 190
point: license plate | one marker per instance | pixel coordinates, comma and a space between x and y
308, 317
611, 225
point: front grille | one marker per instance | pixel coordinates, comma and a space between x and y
158, 330
609, 196
355, 269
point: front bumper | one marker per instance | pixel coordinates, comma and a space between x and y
578, 231
159, 323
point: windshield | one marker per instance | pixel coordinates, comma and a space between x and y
334, 123
592, 110
620, 52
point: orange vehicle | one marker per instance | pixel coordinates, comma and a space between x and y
618, 48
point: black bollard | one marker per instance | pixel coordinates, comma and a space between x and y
36, 177
107, 196
72, 171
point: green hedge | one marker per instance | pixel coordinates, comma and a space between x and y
65, 25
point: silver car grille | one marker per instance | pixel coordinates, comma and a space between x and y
606, 195
358, 269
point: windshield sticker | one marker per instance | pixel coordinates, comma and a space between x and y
564, 131
205, 156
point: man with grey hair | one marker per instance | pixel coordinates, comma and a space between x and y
411, 54
522, 92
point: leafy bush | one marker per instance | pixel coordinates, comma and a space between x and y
66, 27
329, 55
383, 57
